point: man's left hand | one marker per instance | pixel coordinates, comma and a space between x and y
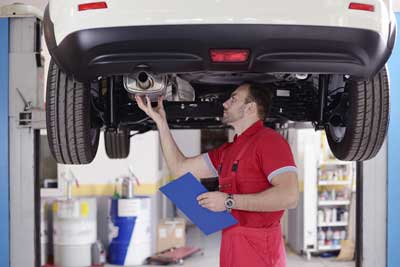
214, 201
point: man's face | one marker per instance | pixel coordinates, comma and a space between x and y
234, 107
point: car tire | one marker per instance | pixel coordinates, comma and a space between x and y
117, 143
367, 119
71, 138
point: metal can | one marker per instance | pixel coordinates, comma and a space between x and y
127, 187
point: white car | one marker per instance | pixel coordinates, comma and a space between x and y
325, 61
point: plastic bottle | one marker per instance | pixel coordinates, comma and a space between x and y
340, 175
321, 237
336, 238
333, 194
98, 254
329, 234
329, 175
340, 214
321, 217
334, 215
324, 195
321, 175
345, 216
328, 215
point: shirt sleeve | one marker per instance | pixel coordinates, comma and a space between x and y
213, 158
276, 157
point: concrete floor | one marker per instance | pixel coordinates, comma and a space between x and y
210, 255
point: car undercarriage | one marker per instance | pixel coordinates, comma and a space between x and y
295, 98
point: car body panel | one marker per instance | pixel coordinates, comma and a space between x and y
67, 19
174, 36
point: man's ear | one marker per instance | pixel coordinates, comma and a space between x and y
252, 107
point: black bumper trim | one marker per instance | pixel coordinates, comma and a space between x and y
90, 53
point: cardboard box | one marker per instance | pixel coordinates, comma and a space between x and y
171, 233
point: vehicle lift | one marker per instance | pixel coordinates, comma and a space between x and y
22, 116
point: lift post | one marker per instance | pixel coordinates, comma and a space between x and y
21, 115
4, 173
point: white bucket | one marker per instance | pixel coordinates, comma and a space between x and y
74, 231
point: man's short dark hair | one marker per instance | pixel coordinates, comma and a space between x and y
262, 96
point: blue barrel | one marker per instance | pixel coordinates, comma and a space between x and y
118, 246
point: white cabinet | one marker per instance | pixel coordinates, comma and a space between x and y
302, 221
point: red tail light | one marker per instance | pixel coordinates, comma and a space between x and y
359, 6
89, 6
229, 55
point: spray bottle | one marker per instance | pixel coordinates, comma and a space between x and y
69, 182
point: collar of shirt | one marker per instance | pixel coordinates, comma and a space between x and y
254, 128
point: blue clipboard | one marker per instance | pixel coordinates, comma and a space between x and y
183, 192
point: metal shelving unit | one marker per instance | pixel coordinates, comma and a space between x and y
312, 158
335, 182
334, 202
330, 224
329, 248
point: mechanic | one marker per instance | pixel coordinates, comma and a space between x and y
257, 177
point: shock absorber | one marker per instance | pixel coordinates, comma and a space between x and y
111, 117
323, 83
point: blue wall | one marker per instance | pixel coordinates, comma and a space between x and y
393, 234
4, 173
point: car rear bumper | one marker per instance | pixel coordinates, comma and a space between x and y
87, 54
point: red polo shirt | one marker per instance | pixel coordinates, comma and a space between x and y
268, 156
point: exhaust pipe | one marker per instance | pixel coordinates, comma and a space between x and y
144, 80
145, 83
